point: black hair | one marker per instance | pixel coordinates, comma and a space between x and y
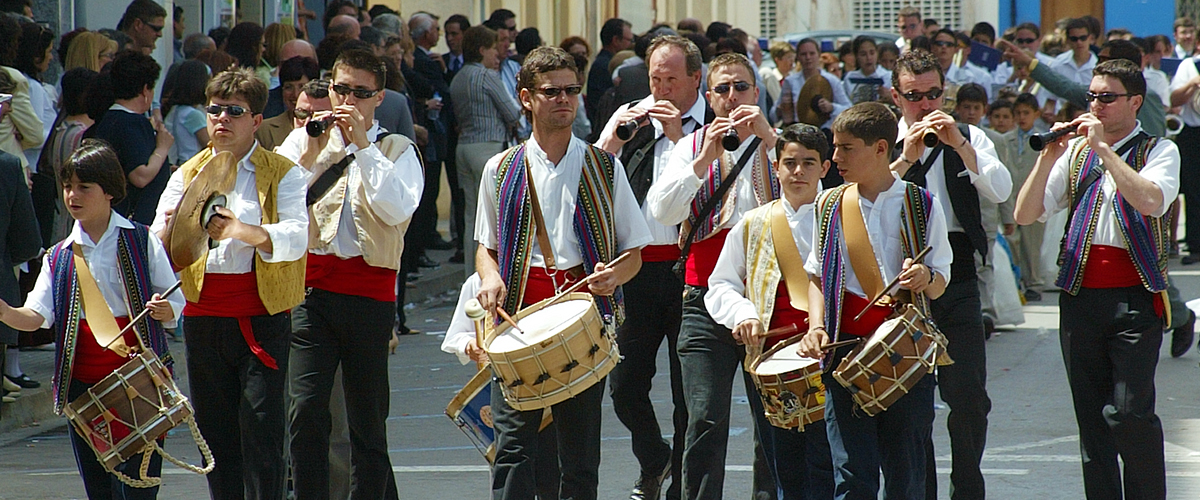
614, 27
861, 40
985, 29
144, 10
459, 19
131, 73
244, 44
219, 35
95, 161
527, 40
77, 84
806, 135
185, 85
1026, 99
971, 92
298, 67
999, 104
31, 50
1078, 23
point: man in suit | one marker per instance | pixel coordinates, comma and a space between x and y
455, 26
21, 240
439, 120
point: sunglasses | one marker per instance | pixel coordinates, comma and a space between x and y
723, 88
915, 96
553, 92
344, 90
943, 43
1077, 38
1025, 41
232, 109
156, 28
303, 114
1106, 98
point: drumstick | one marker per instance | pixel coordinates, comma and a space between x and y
781, 331
476, 314
916, 260
507, 318
142, 315
574, 288
835, 345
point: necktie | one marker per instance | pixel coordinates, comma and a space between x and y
455, 63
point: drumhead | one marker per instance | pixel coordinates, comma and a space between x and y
540, 325
882, 332
785, 360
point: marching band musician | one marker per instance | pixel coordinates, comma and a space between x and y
892, 211
92, 182
590, 217
238, 324
748, 293
1117, 183
365, 184
673, 109
958, 171
708, 352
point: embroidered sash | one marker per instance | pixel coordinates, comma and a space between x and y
1146, 238
762, 175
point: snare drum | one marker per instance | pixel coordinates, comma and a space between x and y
561, 350
471, 411
789, 385
882, 369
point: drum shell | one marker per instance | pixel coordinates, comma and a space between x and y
559, 367
471, 411
142, 403
877, 374
791, 399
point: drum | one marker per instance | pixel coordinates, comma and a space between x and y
882, 369
789, 385
471, 411
126, 412
561, 350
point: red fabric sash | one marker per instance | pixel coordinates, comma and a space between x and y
233, 296
702, 258
539, 285
351, 276
851, 306
660, 253
783, 315
1112, 267
92, 361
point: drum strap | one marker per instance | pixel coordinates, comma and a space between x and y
99, 316
539, 225
862, 255
788, 256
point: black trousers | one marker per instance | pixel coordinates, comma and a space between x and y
331, 329
1189, 184
239, 403
98, 482
521, 468
653, 304
1110, 341
963, 386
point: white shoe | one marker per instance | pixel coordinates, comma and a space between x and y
11, 387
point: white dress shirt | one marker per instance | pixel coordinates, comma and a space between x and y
993, 182
1078, 73
880, 72
557, 187
289, 236
462, 330
1184, 75
1162, 168
670, 198
883, 223
393, 189
102, 260
840, 102
726, 297
661, 234
1157, 82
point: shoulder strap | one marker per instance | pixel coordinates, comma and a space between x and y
788, 255
539, 223
99, 316
331, 175
717, 196
858, 243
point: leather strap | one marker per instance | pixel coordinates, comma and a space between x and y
862, 255
539, 224
788, 256
99, 317
326, 180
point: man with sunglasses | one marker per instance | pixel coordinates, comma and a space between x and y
553, 211
365, 186
946, 46
1077, 63
961, 168
143, 21
237, 323
910, 26
1028, 37
1117, 184
709, 353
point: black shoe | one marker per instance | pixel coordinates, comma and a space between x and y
1191, 258
27, 383
1181, 338
437, 243
649, 486
989, 326
1033, 296
425, 261
457, 258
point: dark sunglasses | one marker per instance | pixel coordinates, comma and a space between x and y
156, 28
1077, 38
723, 88
943, 43
344, 90
1025, 41
553, 92
1106, 98
915, 96
232, 109
303, 114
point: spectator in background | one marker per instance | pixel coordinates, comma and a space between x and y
143, 22
217, 60
21, 127
77, 85
183, 96
294, 74
328, 50
19, 7
375, 39
576, 46
274, 38
616, 35
717, 31
218, 35
690, 24
1077, 64
454, 27
1156, 80
178, 29
888, 56
1185, 37
338, 8
391, 24
346, 26
292, 48
506, 22
931, 27
581, 127
196, 42
910, 26
245, 44
526, 40
846, 55
870, 82
141, 145
784, 56
35, 51
429, 87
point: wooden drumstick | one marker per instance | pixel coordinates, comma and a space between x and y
574, 288
916, 260
835, 345
509, 320
477, 315
142, 315
781, 331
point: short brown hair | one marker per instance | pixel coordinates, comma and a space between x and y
869, 121
1128, 73
475, 39
916, 62
96, 162
362, 60
316, 89
543, 60
691, 53
1184, 22
730, 59
780, 48
239, 83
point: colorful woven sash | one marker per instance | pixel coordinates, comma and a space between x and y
762, 175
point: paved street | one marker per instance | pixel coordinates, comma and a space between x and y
1032, 448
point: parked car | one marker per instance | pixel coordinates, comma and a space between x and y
830, 40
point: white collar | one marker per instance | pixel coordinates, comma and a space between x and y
115, 220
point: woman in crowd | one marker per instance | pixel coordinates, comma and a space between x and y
245, 43
89, 50
68, 131
274, 37
183, 95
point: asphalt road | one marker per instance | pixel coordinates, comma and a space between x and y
1033, 449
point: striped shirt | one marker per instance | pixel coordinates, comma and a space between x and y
484, 110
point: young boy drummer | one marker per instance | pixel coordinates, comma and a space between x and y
111, 247
751, 290
841, 284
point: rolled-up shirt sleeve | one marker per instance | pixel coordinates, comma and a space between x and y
289, 236
1162, 168
726, 298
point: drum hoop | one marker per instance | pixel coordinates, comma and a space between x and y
783, 344
510, 394
523, 313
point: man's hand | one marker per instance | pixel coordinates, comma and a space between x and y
432, 103
748, 118
159, 308
476, 353
1020, 57
491, 292
625, 116
915, 277
914, 143
1057, 147
603, 281
354, 126
946, 128
224, 226
824, 106
749, 332
671, 119
810, 346
1093, 129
